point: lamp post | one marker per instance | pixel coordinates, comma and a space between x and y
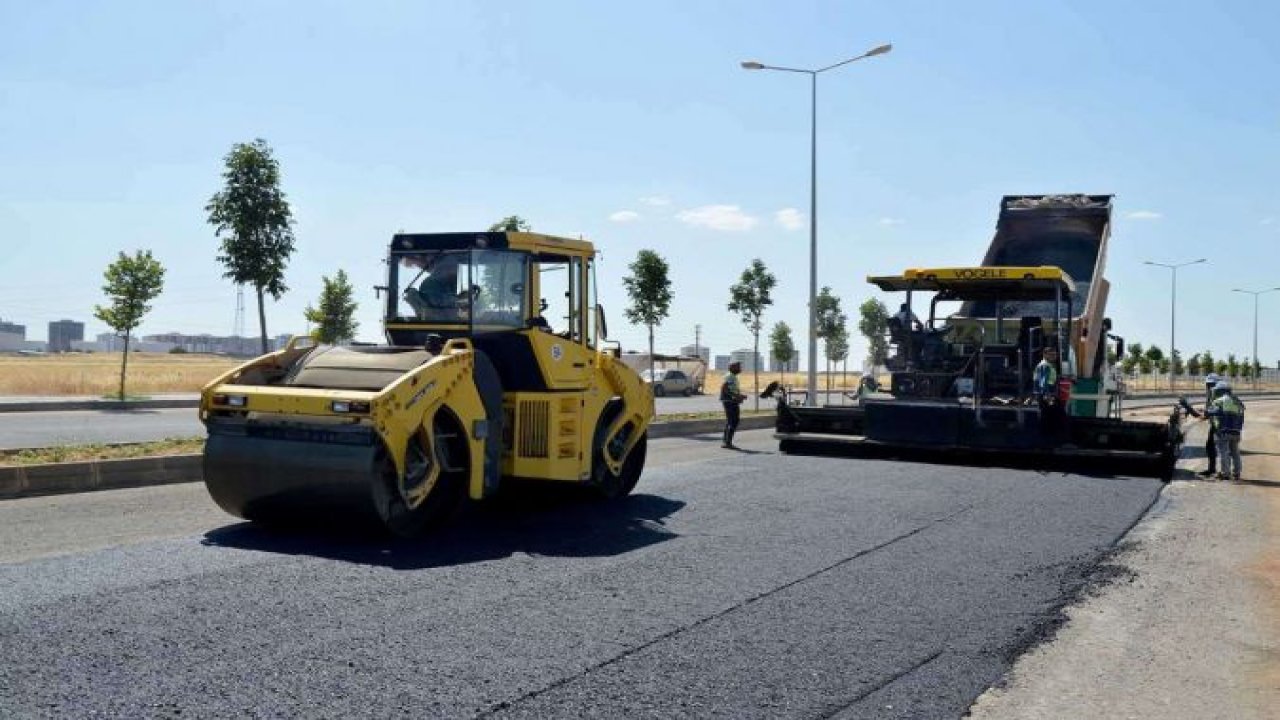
1173, 308
812, 394
1256, 370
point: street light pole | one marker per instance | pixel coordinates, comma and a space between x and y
812, 380
1257, 367
1173, 309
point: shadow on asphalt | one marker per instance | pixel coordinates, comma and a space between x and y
548, 522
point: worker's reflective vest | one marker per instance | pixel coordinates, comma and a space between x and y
1046, 378
1229, 413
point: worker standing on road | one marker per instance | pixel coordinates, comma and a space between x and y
1210, 445
731, 397
1228, 412
1045, 389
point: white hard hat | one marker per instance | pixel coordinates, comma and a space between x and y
1222, 386
1211, 379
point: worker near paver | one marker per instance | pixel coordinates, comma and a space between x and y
1210, 444
731, 397
1228, 413
1045, 389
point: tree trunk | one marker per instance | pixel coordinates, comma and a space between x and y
262, 319
755, 366
124, 364
652, 379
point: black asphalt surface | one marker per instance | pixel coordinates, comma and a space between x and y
734, 585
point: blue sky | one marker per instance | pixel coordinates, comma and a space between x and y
632, 124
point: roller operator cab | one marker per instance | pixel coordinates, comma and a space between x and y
496, 368
965, 343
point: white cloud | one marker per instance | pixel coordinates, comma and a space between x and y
890, 222
655, 200
718, 217
625, 216
1267, 221
789, 218
1144, 215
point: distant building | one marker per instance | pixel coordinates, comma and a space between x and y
722, 362
750, 360
13, 329
792, 365
62, 333
700, 351
13, 342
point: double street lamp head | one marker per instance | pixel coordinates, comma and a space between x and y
878, 50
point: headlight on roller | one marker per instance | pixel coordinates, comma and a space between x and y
349, 406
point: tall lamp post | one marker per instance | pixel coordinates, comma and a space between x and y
1173, 308
812, 395
1255, 293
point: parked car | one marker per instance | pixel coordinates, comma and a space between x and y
669, 382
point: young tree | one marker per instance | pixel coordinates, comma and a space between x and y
649, 288
1177, 364
781, 346
1233, 365
511, 223
132, 282
1133, 359
334, 316
838, 349
749, 297
831, 321
873, 323
252, 217
1193, 365
1207, 363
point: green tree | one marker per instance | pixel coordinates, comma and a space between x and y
838, 348
649, 288
782, 346
1155, 355
132, 282
1178, 366
1133, 359
1193, 365
252, 217
750, 297
511, 223
334, 316
1207, 363
873, 323
1233, 365
831, 321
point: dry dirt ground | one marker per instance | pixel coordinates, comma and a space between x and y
1189, 624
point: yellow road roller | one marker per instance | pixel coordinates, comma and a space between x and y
496, 368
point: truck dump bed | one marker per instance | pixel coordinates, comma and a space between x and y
1066, 231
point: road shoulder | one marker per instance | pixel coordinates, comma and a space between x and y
1192, 630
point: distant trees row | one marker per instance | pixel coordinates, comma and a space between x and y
1153, 359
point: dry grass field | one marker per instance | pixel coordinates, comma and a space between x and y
98, 374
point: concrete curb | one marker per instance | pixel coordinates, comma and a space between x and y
75, 477
63, 405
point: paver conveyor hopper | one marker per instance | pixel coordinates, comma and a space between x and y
496, 367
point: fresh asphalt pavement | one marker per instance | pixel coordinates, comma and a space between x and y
731, 584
